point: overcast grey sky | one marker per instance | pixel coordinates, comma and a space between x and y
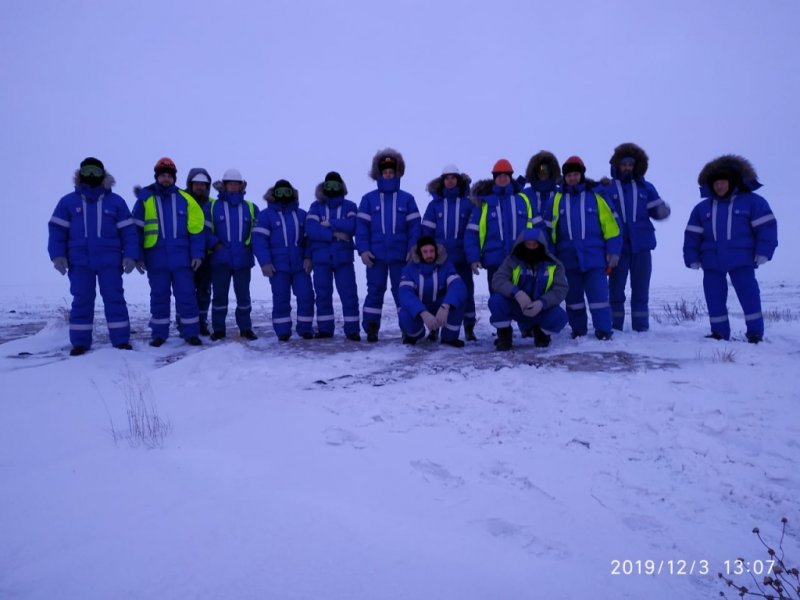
294, 89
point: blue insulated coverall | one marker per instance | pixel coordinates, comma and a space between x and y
425, 286
92, 228
724, 235
171, 228
279, 239
585, 231
332, 259
388, 225
446, 219
230, 220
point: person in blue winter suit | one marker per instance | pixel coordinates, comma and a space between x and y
543, 176
171, 228
279, 243
330, 227
587, 239
230, 220
636, 203
446, 219
432, 295
732, 232
388, 226
500, 213
529, 287
92, 238
198, 184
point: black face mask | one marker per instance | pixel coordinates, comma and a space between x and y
91, 181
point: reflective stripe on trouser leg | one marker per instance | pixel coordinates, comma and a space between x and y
596, 282
304, 294
641, 271
500, 309
186, 301
616, 289
241, 288
410, 325
452, 328
280, 283
747, 291
377, 275
81, 315
345, 276
465, 273
160, 295
323, 291
221, 283
715, 287
110, 283
576, 306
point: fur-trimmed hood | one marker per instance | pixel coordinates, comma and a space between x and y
271, 201
744, 174
485, 187
435, 187
219, 186
107, 183
441, 255
636, 152
375, 172
322, 197
542, 157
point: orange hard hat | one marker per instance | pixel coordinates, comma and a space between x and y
502, 166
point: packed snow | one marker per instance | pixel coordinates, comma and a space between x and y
331, 469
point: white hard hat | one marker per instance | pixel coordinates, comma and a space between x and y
200, 177
232, 175
451, 170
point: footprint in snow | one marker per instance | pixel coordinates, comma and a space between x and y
435, 473
336, 436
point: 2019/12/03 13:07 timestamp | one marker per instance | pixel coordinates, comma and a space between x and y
738, 566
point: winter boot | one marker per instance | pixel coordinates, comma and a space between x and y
603, 336
408, 340
248, 334
194, 341
540, 338
469, 333
504, 337
157, 342
372, 331
124, 346
456, 343
433, 335
322, 335
217, 335
353, 337
78, 350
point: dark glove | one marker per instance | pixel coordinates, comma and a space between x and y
140, 266
196, 262
268, 270
128, 265
60, 264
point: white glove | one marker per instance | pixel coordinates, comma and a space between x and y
441, 315
60, 264
612, 260
476, 266
128, 265
268, 270
140, 266
522, 299
760, 259
367, 258
694, 266
534, 308
196, 262
429, 320
307, 266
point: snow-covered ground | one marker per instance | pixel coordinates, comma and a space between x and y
332, 470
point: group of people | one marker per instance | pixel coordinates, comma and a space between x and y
545, 238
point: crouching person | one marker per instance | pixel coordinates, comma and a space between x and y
528, 288
431, 295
